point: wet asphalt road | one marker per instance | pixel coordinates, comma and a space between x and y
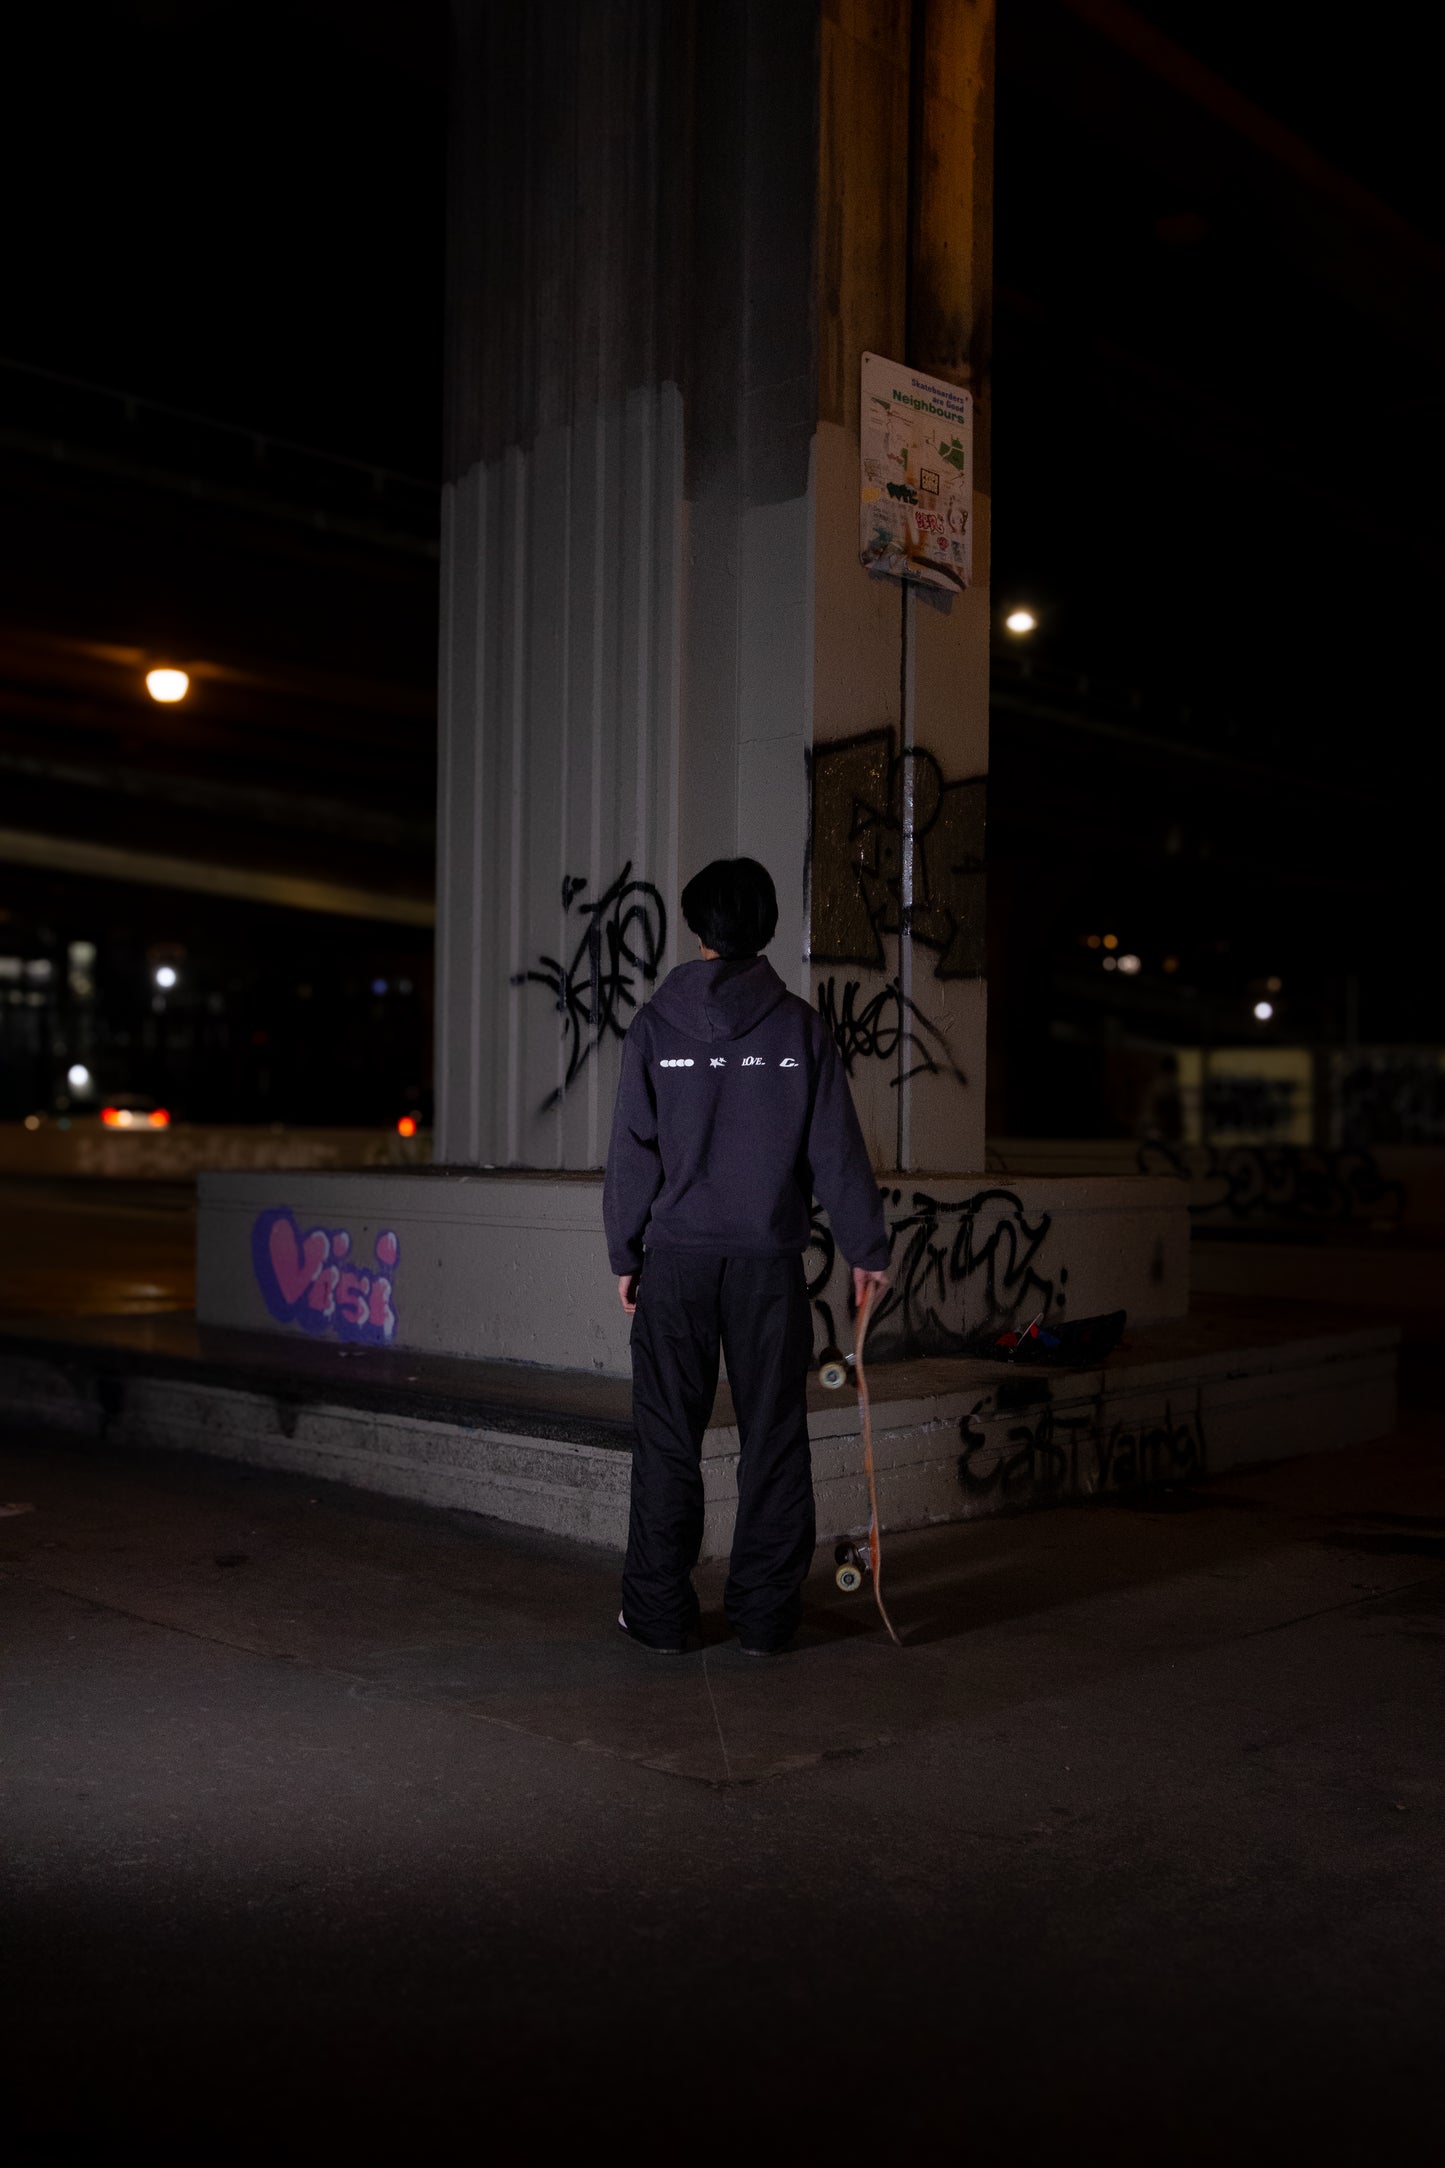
77, 1247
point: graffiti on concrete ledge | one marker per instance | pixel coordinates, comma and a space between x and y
962, 1269
310, 1279
1276, 1181
884, 1023
618, 951
1045, 1456
867, 801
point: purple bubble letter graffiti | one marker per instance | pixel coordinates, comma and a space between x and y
310, 1281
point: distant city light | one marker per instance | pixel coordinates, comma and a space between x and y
378, 986
1171, 963
1111, 963
1130, 964
129, 1118
167, 685
166, 976
1111, 940
77, 1076
159, 1118
1263, 1011
1021, 621
406, 1127
1273, 985
1093, 940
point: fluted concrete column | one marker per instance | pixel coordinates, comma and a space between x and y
675, 227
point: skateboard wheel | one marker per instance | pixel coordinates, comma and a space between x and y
849, 1579
832, 1369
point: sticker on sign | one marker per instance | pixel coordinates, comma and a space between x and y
916, 444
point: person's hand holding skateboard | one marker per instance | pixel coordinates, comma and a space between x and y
863, 1279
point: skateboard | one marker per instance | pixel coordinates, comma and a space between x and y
859, 1562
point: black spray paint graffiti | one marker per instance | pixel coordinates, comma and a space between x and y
962, 1270
886, 1021
624, 934
866, 800
1048, 1456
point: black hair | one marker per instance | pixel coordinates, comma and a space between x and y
732, 906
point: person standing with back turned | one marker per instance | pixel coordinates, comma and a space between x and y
733, 1111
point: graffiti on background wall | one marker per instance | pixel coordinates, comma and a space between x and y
866, 796
1045, 1455
619, 949
312, 1280
875, 1030
961, 1269
1276, 1181
1389, 1095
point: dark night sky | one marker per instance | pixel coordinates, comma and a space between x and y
1218, 476
236, 209
239, 209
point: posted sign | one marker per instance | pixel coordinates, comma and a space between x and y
916, 475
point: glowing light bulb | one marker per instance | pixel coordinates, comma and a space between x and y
1263, 1011
1021, 621
77, 1076
166, 976
167, 685
406, 1127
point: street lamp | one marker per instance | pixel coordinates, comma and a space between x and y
167, 686
1020, 622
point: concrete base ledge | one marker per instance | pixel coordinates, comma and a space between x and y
512, 1266
953, 1439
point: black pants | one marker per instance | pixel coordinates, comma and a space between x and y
758, 1308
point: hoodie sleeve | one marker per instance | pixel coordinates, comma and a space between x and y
844, 1181
634, 1160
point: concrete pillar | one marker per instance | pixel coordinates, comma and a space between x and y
676, 227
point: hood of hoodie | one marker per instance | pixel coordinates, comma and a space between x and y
715, 999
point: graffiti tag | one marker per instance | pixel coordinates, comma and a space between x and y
1052, 1456
887, 1021
623, 936
870, 803
310, 1280
962, 1270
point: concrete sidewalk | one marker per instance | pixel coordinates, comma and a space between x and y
337, 1827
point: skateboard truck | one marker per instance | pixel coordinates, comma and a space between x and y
854, 1564
833, 1368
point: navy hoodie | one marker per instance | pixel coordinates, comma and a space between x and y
733, 1112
